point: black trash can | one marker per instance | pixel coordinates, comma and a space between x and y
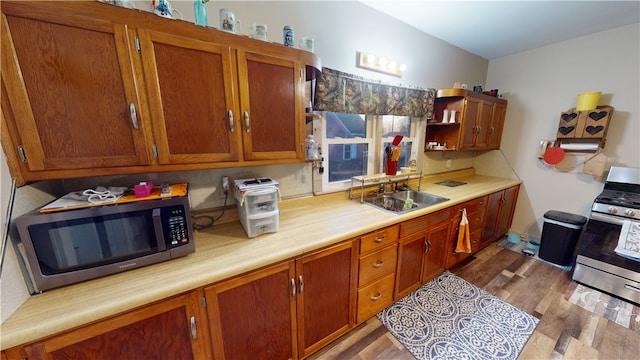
560, 234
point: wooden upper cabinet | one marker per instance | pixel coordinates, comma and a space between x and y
71, 88
472, 113
496, 126
479, 125
191, 97
271, 106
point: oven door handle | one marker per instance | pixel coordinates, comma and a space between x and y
632, 288
606, 218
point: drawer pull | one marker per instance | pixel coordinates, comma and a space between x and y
376, 297
379, 240
378, 264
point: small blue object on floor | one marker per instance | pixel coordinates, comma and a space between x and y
450, 318
526, 248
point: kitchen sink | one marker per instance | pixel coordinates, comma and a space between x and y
397, 202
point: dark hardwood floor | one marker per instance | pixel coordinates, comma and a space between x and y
565, 331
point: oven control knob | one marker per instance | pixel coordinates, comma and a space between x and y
629, 212
612, 210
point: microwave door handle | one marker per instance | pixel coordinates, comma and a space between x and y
157, 226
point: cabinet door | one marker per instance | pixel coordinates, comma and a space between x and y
470, 122
496, 126
190, 88
71, 88
254, 315
326, 296
411, 253
272, 107
172, 329
507, 208
435, 250
500, 208
494, 204
483, 125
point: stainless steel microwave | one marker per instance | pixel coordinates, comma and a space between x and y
66, 247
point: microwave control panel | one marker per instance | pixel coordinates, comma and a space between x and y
175, 224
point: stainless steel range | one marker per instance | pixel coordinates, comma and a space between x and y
597, 264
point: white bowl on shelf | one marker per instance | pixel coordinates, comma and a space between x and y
439, 147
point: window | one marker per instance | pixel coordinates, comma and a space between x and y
353, 145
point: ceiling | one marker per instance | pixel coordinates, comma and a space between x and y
492, 29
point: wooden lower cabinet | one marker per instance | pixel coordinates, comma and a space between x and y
286, 311
172, 329
421, 251
476, 210
500, 208
377, 271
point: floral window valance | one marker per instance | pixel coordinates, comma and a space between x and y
341, 92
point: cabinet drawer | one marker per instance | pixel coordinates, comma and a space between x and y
379, 239
377, 265
473, 205
414, 225
375, 297
439, 216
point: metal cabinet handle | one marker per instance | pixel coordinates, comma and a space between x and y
427, 246
194, 330
376, 297
379, 240
247, 124
301, 284
491, 130
378, 264
231, 125
479, 128
134, 117
293, 287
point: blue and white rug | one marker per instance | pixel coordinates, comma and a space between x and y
450, 318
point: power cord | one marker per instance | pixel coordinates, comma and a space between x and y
211, 220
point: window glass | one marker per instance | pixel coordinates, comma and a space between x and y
396, 125
346, 126
347, 160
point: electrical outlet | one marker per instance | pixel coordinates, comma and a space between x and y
225, 183
447, 164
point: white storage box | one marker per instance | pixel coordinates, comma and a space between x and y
258, 210
260, 224
257, 201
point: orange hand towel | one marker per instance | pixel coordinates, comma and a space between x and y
464, 240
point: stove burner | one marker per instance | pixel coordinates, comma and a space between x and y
628, 199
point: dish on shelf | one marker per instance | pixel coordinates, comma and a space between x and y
439, 147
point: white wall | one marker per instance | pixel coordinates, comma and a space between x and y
542, 83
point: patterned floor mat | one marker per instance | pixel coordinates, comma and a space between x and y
450, 318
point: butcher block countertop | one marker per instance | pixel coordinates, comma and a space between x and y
223, 251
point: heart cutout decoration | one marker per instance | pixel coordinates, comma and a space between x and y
597, 115
564, 130
569, 117
594, 129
